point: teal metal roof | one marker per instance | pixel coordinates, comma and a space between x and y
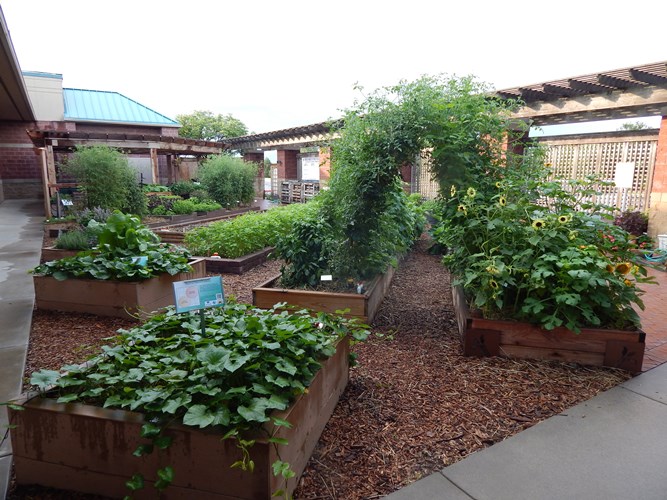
110, 107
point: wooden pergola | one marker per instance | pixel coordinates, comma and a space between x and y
633, 92
51, 141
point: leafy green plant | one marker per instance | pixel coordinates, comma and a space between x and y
155, 188
541, 251
78, 239
106, 179
120, 241
635, 223
248, 363
229, 180
184, 189
247, 233
98, 214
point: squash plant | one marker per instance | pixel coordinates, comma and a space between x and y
121, 239
248, 363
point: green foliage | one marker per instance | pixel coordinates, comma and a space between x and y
635, 223
175, 205
302, 247
98, 214
120, 240
249, 363
155, 188
78, 239
106, 178
161, 204
247, 233
229, 180
205, 125
184, 188
540, 251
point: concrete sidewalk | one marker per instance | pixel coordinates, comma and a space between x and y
21, 235
611, 447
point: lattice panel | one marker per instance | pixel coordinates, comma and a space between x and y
576, 161
422, 178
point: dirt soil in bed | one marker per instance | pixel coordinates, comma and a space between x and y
413, 405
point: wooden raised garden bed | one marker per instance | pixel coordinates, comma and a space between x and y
360, 305
514, 339
89, 449
108, 297
53, 253
237, 266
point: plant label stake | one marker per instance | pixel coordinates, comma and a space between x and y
199, 294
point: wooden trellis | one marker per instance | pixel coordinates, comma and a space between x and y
576, 158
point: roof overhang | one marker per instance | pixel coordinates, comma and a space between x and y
14, 101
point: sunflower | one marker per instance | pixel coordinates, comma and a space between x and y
628, 283
452, 190
493, 284
502, 201
538, 224
471, 192
623, 268
564, 219
462, 208
499, 185
610, 268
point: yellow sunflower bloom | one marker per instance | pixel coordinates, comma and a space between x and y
564, 219
452, 190
493, 284
499, 184
538, 224
502, 201
610, 268
471, 192
623, 268
462, 208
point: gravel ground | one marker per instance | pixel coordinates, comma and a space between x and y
414, 404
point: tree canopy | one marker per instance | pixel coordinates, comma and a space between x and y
206, 126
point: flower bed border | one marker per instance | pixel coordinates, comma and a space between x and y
53, 253
89, 449
513, 339
237, 266
362, 305
111, 298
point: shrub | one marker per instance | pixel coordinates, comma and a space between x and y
155, 188
77, 239
184, 189
97, 214
106, 179
229, 180
635, 223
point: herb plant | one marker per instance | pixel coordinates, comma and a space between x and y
248, 363
120, 240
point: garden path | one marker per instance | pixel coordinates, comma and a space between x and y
654, 321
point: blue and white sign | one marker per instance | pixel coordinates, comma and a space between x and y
190, 295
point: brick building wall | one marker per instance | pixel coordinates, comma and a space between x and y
658, 199
20, 166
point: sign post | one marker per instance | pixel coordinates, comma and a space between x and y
199, 294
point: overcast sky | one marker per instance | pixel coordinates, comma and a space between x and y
279, 63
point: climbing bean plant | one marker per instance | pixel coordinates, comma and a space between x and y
366, 219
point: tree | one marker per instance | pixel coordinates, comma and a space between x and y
634, 126
206, 126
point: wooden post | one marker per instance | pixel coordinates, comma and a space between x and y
154, 166
171, 178
45, 184
50, 173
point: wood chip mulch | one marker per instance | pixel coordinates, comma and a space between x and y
413, 405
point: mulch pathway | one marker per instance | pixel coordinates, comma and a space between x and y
413, 405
